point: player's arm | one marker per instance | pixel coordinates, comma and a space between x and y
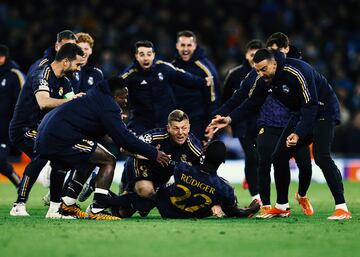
309, 98
19, 83
46, 102
41, 90
238, 97
124, 138
250, 106
238, 212
231, 209
186, 79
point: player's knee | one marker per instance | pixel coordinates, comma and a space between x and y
145, 190
110, 161
321, 160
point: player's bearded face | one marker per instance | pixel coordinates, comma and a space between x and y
266, 69
186, 47
70, 67
179, 131
145, 57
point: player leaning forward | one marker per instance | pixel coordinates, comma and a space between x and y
68, 138
307, 93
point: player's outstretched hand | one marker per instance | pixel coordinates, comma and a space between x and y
162, 158
216, 124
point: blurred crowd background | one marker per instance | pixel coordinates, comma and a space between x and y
326, 32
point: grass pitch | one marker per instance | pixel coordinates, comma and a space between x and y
152, 236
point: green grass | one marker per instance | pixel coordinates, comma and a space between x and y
153, 236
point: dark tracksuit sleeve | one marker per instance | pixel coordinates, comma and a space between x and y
185, 79
252, 104
16, 92
309, 106
214, 89
230, 86
98, 75
238, 97
123, 138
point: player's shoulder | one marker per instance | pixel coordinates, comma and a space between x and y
128, 72
233, 71
166, 66
155, 134
296, 66
185, 167
194, 144
41, 72
98, 71
222, 184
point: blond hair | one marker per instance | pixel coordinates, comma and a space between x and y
177, 115
85, 38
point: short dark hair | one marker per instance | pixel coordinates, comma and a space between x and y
69, 51
254, 44
143, 43
115, 83
263, 54
186, 33
65, 34
278, 38
177, 115
4, 51
215, 154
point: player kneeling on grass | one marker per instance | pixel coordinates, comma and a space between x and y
68, 137
197, 192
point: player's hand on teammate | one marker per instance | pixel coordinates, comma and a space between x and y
162, 158
292, 140
78, 95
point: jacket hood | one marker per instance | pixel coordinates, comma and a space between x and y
294, 52
8, 65
50, 53
280, 60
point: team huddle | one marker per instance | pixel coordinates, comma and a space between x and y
66, 112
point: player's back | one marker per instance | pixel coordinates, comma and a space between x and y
77, 119
193, 193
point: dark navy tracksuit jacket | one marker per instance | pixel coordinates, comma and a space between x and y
199, 103
89, 117
151, 97
298, 87
86, 78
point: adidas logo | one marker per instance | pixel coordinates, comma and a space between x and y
143, 82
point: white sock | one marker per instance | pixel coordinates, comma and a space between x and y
282, 206
257, 197
101, 191
54, 207
68, 200
342, 206
96, 210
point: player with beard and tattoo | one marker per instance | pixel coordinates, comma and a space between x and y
45, 88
